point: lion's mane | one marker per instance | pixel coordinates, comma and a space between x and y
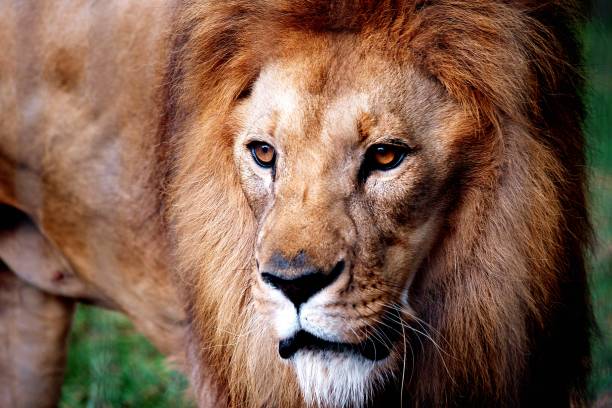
504, 291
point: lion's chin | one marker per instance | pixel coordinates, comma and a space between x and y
337, 379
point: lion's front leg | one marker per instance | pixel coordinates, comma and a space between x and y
33, 331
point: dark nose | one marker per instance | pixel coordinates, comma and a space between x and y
298, 289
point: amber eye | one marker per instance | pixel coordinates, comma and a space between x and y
385, 156
263, 154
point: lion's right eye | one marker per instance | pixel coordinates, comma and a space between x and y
263, 154
382, 157
385, 157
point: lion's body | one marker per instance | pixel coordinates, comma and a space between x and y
77, 152
119, 185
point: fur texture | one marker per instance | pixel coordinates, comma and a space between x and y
502, 292
465, 262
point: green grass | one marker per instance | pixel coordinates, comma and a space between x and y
110, 365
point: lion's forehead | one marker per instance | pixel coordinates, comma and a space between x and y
313, 97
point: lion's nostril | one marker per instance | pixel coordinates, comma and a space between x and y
301, 288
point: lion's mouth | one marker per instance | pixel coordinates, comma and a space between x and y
375, 348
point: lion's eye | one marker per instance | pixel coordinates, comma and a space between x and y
385, 156
263, 154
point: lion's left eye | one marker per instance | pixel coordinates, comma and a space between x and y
263, 154
385, 156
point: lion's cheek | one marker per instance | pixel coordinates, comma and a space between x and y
404, 254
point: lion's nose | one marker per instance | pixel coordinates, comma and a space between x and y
298, 289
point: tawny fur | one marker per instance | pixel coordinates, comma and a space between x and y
502, 289
511, 262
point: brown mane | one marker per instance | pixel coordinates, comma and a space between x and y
504, 292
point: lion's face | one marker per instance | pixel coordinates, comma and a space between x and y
344, 161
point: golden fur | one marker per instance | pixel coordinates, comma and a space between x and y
515, 231
480, 236
77, 150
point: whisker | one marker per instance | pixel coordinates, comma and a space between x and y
441, 352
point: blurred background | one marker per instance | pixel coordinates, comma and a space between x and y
598, 52
110, 365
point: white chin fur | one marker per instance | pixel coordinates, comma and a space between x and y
329, 379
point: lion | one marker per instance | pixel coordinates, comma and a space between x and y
303, 204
